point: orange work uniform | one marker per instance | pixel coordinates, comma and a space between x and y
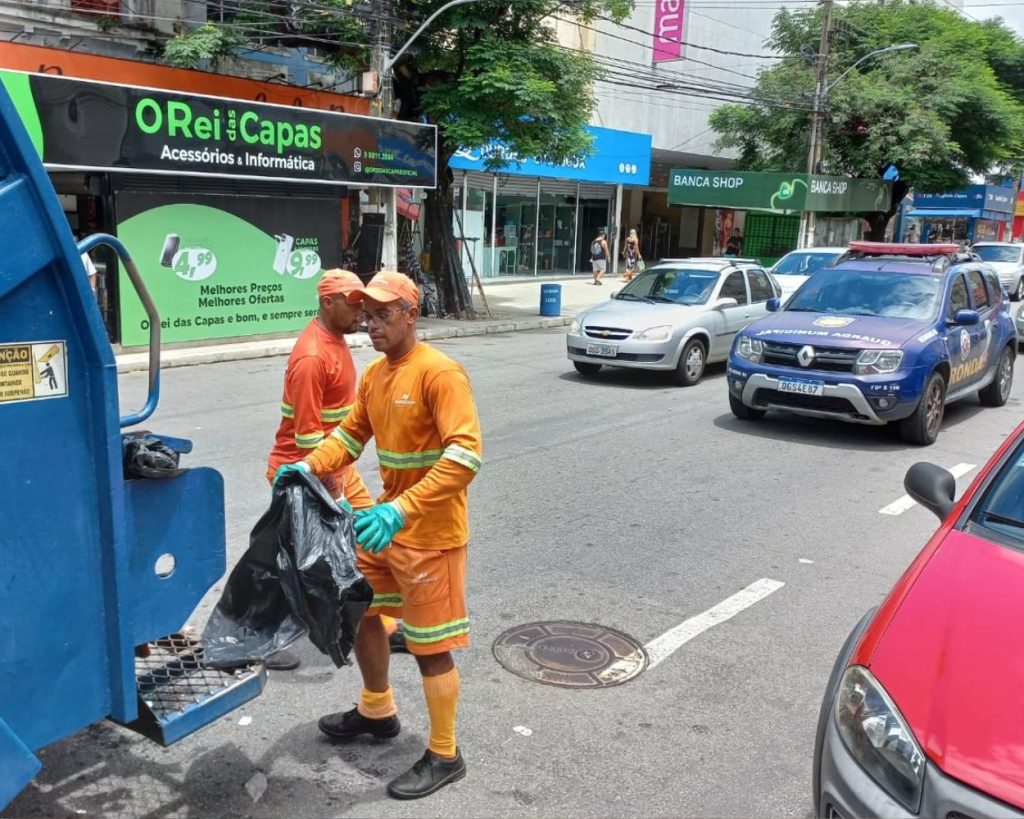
420, 410
319, 388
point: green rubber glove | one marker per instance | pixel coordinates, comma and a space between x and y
376, 527
344, 504
301, 466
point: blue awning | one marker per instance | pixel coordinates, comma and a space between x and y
924, 213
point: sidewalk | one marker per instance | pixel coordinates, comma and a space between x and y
515, 306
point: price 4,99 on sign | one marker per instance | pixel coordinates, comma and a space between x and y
303, 264
194, 264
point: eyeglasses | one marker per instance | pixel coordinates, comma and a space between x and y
380, 316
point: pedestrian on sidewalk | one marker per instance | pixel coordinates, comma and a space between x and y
319, 389
599, 254
631, 253
418, 405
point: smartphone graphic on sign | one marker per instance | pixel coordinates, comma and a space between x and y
285, 243
171, 243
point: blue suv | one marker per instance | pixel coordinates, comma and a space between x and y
886, 333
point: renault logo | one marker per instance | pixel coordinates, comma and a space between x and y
805, 355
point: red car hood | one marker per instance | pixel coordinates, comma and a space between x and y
952, 658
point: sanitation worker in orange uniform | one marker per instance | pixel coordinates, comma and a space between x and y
418, 405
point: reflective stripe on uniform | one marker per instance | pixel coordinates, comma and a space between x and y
334, 414
434, 634
467, 457
408, 460
352, 446
386, 601
311, 441
287, 410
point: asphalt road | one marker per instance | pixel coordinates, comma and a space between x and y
622, 501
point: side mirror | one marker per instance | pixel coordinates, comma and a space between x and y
773, 305
932, 487
721, 304
966, 317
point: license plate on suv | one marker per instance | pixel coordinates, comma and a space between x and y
604, 350
801, 387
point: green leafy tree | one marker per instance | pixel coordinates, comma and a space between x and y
951, 109
483, 72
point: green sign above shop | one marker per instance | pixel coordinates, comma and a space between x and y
777, 192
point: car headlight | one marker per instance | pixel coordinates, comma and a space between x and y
876, 362
877, 736
663, 332
575, 328
750, 348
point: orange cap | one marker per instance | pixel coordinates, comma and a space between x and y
388, 286
338, 283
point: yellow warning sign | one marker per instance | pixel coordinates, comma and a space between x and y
33, 370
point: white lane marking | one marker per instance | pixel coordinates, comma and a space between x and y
898, 507
662, 647
805, 561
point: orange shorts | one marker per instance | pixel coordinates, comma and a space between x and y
426, 588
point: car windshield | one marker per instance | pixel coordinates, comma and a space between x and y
671, 285
1001, 509
997, 253
802, 264
870, 293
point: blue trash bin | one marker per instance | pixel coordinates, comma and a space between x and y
551, 299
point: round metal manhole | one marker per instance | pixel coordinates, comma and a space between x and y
571, 655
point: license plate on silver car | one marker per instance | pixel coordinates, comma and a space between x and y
802, 387
604, 350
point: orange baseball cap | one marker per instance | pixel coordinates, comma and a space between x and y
338, 283
388, 286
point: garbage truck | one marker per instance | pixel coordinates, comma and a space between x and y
98, 572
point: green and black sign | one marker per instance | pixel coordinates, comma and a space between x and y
224, 266
77, 124
778, 192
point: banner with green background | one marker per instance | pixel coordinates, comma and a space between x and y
224, 266
777, 192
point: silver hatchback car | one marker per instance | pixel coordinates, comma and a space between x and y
676, 316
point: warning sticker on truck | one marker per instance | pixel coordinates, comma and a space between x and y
33, 370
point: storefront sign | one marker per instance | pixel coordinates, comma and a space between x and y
669, 25
974, 197
617, 157
223, 266
777, 192
77, 124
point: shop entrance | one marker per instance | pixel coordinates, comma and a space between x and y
594, 215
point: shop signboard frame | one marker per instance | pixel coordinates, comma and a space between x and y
777, 192
91, 125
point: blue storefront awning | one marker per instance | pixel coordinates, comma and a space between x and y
925, 213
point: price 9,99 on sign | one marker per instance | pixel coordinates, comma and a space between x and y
303, 264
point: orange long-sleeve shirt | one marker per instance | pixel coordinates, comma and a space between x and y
420, 410
319, 389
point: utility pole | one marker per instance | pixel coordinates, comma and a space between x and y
385, 197
817, 114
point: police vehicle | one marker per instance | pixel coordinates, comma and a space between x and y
890, 333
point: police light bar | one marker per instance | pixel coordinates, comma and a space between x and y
903, 249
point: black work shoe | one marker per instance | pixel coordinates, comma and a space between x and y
428, 775
351, 724
284, 660
397, 643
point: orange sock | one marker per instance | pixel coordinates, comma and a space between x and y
442, 693
377, 704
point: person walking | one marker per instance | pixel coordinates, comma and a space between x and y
734, 245
418, 406
319, 390
631, 253
599, 254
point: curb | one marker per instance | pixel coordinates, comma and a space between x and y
249, 350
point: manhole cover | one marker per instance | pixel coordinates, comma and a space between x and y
572, 655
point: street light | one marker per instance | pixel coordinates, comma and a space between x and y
821, 91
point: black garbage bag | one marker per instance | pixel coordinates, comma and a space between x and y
297, 577
144, 455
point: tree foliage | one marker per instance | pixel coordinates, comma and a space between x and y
482, 72
951, 109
